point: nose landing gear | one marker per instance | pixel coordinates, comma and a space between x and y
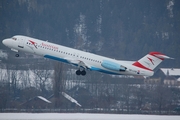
17, 55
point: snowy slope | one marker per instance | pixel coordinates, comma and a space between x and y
82, 116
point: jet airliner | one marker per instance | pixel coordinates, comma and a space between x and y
85, 60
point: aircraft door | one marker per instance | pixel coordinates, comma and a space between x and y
20, 43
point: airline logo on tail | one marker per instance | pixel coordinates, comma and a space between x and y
151, 61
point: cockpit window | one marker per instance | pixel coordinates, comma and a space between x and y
14, 38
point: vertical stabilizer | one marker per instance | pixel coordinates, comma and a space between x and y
151, 60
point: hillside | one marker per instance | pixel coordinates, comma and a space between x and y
121, 29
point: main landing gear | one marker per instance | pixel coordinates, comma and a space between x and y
83, 72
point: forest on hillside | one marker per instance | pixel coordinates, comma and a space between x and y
121, 29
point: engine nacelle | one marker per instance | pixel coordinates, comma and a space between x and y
113, 66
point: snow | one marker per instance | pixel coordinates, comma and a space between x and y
31, 78
44, 99
25, 78
172, 71
170, 8
83, 116
3, 54
178, 79
70, 98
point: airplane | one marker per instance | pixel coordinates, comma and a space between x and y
85, 60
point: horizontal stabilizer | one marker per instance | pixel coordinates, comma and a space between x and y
163, 56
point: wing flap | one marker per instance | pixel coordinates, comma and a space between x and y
79, 63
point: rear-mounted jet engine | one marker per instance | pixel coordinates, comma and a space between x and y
113, 66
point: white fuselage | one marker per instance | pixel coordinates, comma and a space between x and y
71, 56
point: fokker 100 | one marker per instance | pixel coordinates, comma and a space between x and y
85, 60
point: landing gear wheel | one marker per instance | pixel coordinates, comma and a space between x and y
78, 72
17, 55
83, 72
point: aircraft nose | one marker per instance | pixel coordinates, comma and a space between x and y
5, 41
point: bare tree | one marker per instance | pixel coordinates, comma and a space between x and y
42, 76
26, 81
140, 95
14, 78
59, 83
162, 96
126, 95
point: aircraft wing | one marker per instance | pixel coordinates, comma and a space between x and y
79, 63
